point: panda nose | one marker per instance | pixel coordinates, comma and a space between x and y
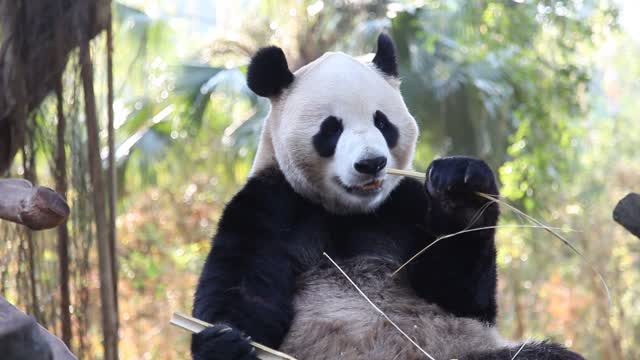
371, 166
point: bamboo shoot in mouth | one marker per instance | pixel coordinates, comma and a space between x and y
408, 173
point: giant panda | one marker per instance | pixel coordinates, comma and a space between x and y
319, 184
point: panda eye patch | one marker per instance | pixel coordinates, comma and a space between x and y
331, 125
380, 121
388, 130
326, 139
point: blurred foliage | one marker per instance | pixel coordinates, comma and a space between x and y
545, 91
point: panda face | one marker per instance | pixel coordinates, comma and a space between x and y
363, 149
356, 152
336, 129
342, 125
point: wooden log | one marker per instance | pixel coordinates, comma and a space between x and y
21, 338
36, 207
627, 213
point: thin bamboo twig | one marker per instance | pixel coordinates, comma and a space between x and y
377, 308
463, 232
520, 350
557, 235
195, 326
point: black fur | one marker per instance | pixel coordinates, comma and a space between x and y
326, 139
225, 342
386, 127
268, 72
534, 351
269, 235
371, 166
463, 271
385, 58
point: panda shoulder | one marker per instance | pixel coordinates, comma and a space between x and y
266, 192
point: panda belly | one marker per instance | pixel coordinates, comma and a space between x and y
333, 321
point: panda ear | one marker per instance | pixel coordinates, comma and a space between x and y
385, 58
268, 72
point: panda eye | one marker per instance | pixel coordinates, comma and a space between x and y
380, 120
331, 126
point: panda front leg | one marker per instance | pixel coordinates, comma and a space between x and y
248, 282
458, 273
245, 289
532, 351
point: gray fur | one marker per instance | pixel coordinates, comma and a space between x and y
333, 321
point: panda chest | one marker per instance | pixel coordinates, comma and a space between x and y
332, 320
346, 238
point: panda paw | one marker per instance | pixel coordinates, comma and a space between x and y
222, 342
455, 180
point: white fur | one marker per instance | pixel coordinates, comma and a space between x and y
338, 85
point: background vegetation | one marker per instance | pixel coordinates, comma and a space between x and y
545, 90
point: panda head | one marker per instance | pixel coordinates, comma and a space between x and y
335, 126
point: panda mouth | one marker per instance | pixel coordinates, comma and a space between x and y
369, 188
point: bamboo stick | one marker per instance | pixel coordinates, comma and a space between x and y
408, 173
195, 326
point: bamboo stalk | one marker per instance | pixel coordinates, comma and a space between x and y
111, 177
107, 292
63, 231
195, 326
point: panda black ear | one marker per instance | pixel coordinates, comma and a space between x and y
385, 58
268, 72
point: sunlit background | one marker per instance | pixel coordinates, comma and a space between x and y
546, 91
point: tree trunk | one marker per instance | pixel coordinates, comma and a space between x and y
112, 164
107, 293
517, 304
33, 291
63, 231
28, 163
